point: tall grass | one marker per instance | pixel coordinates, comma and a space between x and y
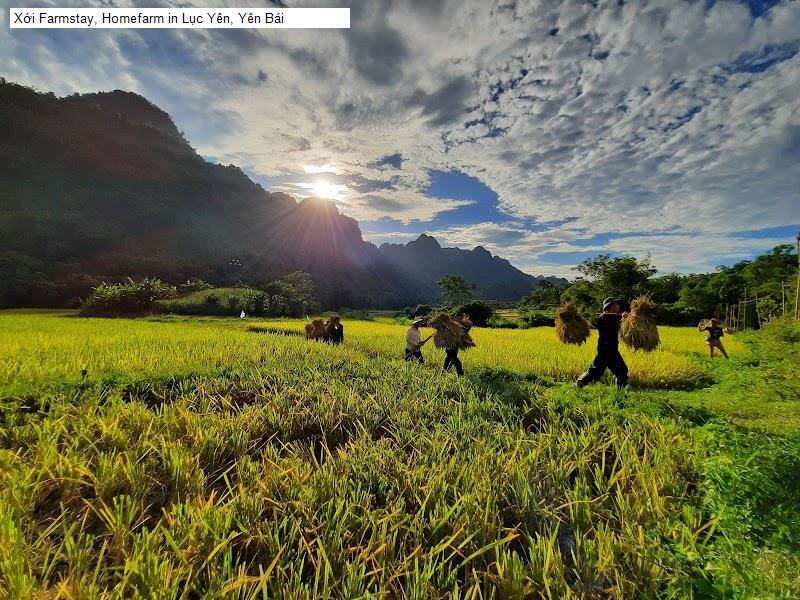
538, 351
42, 346
201, 460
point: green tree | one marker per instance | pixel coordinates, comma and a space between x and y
545, 296
624, 276
292, 295
478, 312
698, 294
727, 286
586, 294
422, 310
455, 290
666, 288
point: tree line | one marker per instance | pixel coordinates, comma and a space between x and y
758, 289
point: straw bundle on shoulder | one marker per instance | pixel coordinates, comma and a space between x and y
638, 330
315, 329
466, 325
571, 326
451, 333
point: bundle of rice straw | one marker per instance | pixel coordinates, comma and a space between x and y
466, 339
571, 326
638, 330
450, 332
315, 329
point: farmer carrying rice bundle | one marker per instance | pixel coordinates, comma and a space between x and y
715, 332
414, 341
315, 329
334, 330
608, 356
452, 335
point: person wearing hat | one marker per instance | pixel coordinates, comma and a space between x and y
715, 332
334, 330
608, 356
414, 341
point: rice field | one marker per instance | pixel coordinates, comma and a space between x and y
39, 347
203, 458
537, 351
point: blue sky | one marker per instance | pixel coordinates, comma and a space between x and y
547, 132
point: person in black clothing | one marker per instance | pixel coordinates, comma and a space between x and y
715, 332
608, 356
451, 360
334, 331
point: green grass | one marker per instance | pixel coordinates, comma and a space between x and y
199, 459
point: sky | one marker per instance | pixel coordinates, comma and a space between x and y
547, 132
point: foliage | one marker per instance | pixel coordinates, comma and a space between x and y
422, 310
130, 298
586, 295
194, 284
545, 296
623, 277
455, 290
538, 318
291, 295
678, 314
499, 322
478, 312
684, 299
216, 301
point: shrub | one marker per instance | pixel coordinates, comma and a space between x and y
212, 301
217, 302
194, 284
498, 322
254, 302
538, 318
130, 298
422, 310
478, 312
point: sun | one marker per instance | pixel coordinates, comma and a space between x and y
328, 190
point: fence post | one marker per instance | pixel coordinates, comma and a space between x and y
744, 305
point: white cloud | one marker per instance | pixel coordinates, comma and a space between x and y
610, 120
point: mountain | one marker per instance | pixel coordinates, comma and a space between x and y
98, 187
494, 278
101, 186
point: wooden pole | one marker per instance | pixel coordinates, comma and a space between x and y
783, 299
758, 313
744, 305
797, 293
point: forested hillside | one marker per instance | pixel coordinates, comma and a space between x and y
103, 186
